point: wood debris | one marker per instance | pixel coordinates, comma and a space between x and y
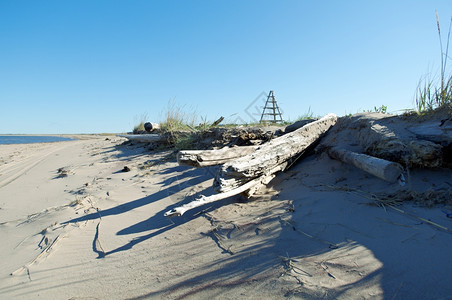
247, 173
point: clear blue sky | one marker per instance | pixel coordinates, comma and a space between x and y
98, 66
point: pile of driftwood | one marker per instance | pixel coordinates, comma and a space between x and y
251, 159
205, 136
245, 169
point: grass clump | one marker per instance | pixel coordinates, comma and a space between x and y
139, 127
176, 119
382, 109
179, 126
309, 115
430, 96
430, 93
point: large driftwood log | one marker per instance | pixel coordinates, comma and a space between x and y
250, 172
204, 158
386, 170
269, 155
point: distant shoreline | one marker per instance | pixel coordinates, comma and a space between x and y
75, 136
32, 139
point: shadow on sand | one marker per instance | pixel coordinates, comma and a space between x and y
298, 238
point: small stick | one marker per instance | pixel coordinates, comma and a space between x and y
422, 219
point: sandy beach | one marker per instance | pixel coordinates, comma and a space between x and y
75, 225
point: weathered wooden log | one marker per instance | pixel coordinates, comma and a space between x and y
383, 169
143, 138
204, 158
250, 187
148, 126
264, 162
271, 154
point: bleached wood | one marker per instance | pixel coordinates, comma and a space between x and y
149, 126
271, 154
204, 158
383, 169
251, 171
146, 138
257, 182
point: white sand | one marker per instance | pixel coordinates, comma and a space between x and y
100, 233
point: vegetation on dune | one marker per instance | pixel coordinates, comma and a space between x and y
140, 125
435, 93
307, 116
382, 109
177, 118
430, 96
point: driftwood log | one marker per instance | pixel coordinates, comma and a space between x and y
248, 173
383, 169
148, 126
271, 154
143, 138
204, 158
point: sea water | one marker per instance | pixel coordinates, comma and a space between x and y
30, 139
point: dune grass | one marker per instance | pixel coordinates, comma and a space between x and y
307, 116
176, 118
432, 92
139, 127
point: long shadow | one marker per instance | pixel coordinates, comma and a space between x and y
128, 150
157, 222
163, 224
256, 264
125, 207
184, 171
388, 246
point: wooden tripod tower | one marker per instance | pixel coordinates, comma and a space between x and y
271, 111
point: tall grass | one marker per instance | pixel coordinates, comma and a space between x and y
139, 127
431, 94
306, 116
176, 118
